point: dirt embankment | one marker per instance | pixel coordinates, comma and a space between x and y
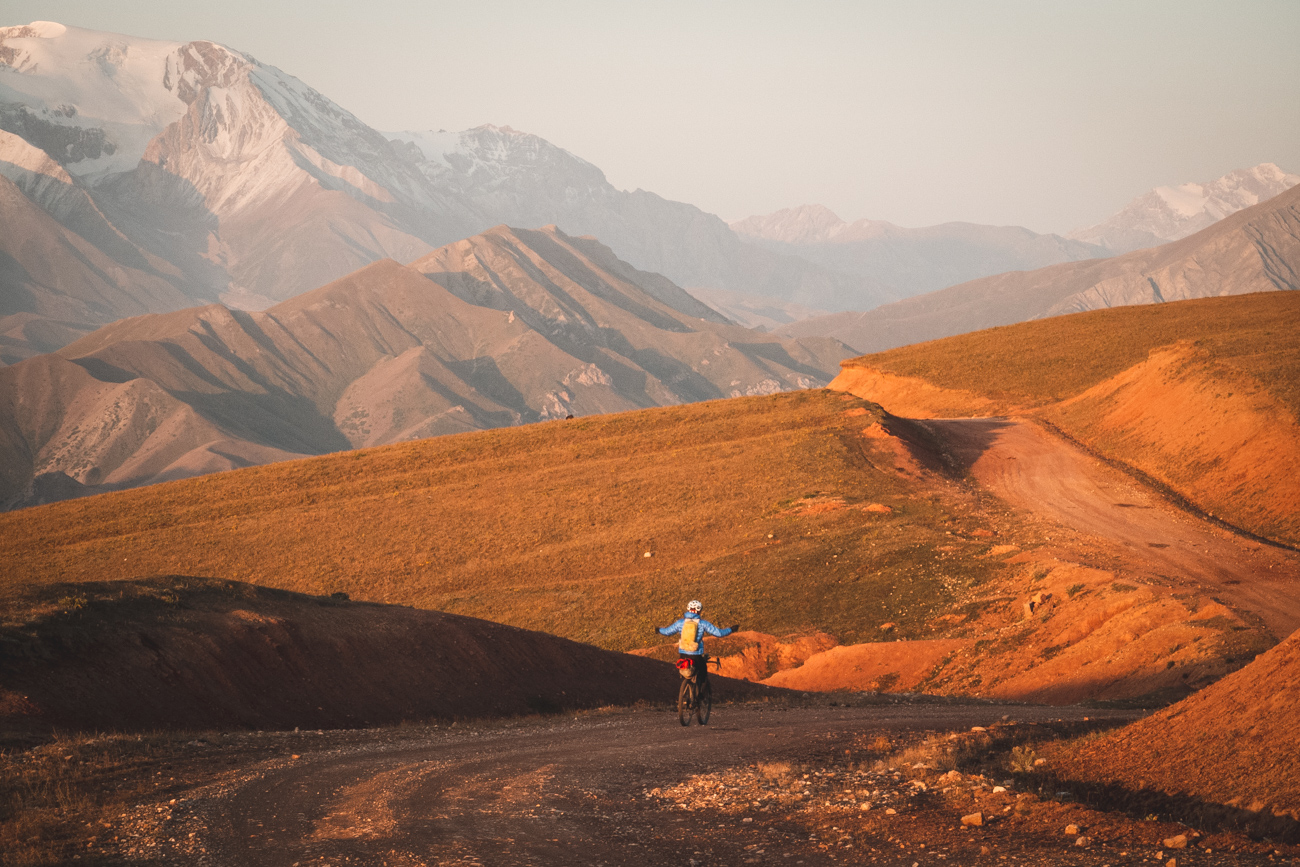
1209, 432
188, 653
1232, 743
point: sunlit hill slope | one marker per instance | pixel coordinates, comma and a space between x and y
1202, 395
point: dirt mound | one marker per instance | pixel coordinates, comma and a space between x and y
754, 656
1232, 743
894, 666
192, 653
910, 396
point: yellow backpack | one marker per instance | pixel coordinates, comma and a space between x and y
690, 640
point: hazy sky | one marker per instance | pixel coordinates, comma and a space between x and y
1050, 115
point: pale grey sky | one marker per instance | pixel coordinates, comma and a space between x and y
1050, 115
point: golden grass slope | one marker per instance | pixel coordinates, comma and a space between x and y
592, 529
1202, 395
794, 515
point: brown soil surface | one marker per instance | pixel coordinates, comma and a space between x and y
893, 666
1112, 514
180, 653
1233, 743
1202, 395
762, 784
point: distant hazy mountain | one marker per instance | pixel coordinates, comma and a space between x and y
236, 182
903, 262
1254, 250
1172, 213
506, 327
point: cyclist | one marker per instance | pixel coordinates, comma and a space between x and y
690, 646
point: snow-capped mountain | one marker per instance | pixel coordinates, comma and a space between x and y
250, 186
1171, 213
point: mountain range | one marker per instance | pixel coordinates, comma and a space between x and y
1172, 213
200, 174
506, 327
901, 262
142, 176
1254, 250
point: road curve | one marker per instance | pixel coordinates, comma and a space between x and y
570, 792
1123, 520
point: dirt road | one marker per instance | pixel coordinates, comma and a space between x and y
591, 790
1124, 522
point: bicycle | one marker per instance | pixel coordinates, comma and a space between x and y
692, 699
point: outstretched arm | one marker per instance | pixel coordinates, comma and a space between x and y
715, 631
670, 630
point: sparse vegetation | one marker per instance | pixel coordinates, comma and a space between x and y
1046, 360
546, 526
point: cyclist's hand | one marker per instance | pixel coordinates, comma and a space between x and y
736, 628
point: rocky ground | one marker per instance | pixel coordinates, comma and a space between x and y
909, 781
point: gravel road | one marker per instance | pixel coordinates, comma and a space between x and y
622, 787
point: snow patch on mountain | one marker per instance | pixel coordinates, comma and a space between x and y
1171, 213
92, 100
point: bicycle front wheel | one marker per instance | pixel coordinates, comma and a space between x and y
686, 701
704, 706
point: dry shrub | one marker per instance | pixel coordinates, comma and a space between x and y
775, 770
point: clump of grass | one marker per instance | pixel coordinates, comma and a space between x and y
1074, 590
775, 770
1022, 760
74, 602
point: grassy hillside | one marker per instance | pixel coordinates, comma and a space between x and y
752, 504
1047, 360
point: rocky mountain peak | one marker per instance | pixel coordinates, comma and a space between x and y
1170, 213
805, 224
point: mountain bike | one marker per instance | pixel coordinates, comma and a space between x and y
694, 699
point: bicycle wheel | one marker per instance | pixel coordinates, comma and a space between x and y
704, 706
686, 701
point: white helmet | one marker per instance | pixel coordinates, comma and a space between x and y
695, 606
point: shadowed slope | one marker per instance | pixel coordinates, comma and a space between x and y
190, 653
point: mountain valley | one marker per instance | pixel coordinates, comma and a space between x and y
505, 328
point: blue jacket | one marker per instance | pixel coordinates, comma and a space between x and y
704, 628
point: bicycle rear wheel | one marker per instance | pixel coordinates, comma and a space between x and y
686, 701
704, 706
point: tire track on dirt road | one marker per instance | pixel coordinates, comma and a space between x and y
550, 793
1042, 473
